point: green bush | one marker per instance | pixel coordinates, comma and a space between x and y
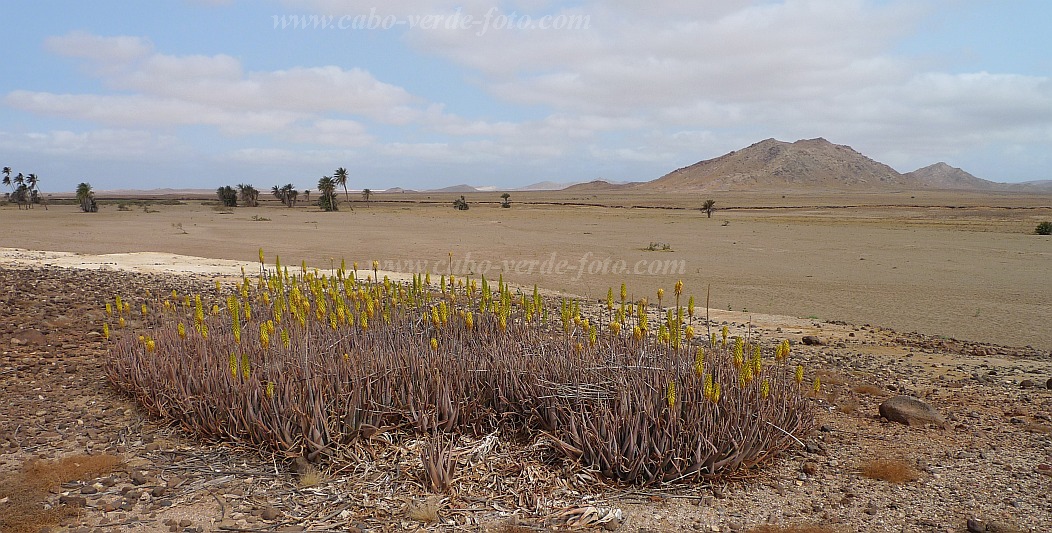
1044, 228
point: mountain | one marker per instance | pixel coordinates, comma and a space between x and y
601, 186
462, 188
943, 176
544, 186
1031, 186
804, 164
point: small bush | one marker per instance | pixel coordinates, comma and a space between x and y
891, 470
460, 204
658, 246
1044, 228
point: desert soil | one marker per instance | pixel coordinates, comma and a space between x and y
990, 463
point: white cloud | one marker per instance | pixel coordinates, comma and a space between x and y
105, 144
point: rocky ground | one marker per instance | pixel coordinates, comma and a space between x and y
986, 469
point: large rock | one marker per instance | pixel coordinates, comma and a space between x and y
910, 411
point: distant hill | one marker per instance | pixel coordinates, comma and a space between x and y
544, 186
601, 186
1031, 186
462, 188
943, 176
804, 164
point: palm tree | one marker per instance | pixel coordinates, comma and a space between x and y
327, 189
249, 195
366, 193
306, 195
708, 208
507, 202
340, 178
227, 195
7, 176
86, 198
34, 194
291, 195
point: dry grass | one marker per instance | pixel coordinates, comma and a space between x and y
26, 491
891, 470
871, 390
312, 476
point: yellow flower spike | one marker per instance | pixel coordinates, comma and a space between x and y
219, 288
233, 364
264, 336
578, 348
469, 320
151, 345
610, 299
670, 394
615, 327
346, 356
285, 340
181, 329
106, 331
502, 323
215, 309
120, 322
699, 362
593, 336
765, 389
660, 295
712, 341
261, 261
624, 292
142, 339
725, 331
637, 333
715, 392
690, 307
434, 343
689, 333
679, 288
204, 331
109, 309
246, 366
799, 377
119, 303
706, 387
270, 389
175, 295
817, 385
143, 310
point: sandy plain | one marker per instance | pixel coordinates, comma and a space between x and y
958, 265
943, 265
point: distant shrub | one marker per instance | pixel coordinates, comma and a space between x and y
659, 246
460, 204
1044, 228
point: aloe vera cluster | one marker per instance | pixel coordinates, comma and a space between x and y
308, 362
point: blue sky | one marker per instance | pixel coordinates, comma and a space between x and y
202, 93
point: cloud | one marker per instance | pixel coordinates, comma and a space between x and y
157, 89
105, 144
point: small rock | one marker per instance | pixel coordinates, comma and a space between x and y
88, 489
1048, 384
138, 478
270, 513
157, 491
975, 526
185, 523
73, 501
812, 340
1001, 527
910, 411
1027, 384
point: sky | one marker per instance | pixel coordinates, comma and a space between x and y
429, 93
